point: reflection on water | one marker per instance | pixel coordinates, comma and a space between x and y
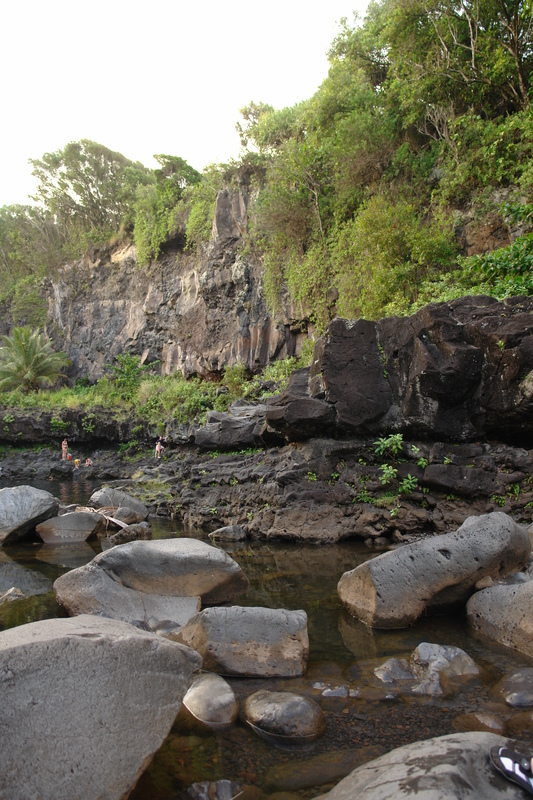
363, 718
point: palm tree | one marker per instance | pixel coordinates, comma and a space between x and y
28, 362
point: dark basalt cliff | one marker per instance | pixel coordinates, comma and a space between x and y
194, 313
454, 371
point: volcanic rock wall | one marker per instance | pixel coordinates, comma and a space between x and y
194, 313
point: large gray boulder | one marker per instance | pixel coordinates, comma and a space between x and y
395, 588
504, 614
185, 567
76, 526
92, 590
111, 498
152, 584
444, 768
87, 702
249, 641
21, 509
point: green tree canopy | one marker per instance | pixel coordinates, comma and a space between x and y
28, 361
88, 189
157, 205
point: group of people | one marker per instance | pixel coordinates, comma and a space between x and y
66, 456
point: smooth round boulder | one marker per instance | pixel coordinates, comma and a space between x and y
184, 567
516, 689
284, 716
211, 700
115, 498
131, 533
443, 768
505, 614
21, 509
231, 533
394, 589
99, 697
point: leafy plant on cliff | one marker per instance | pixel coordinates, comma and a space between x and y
126, 375
28, 361
156, 205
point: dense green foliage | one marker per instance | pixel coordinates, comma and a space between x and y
425, 114
28, 361
357, 193
130, 388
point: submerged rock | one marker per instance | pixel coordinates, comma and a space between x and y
211, 700
432, 669
395, 588
516, 690
450, 766
81, 686
284, 716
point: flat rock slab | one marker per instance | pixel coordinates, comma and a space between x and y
504, 614
394, 589
211, 700
182, 567
444, 768
93, 590
249, 641
98, 696
284, 716
21, 509
115, 498
72, 527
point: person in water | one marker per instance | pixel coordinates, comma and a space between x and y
514, 766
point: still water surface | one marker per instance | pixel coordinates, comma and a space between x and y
343, 654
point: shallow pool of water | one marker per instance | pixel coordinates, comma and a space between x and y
343, 654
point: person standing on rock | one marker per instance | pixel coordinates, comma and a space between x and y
158, 447
64, 450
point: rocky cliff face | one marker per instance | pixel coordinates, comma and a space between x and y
457, 371
191, 313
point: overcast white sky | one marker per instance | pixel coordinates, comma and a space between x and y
163, 76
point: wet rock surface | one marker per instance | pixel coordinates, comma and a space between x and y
431, 669
284, 716
210, 699
452, 766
